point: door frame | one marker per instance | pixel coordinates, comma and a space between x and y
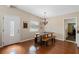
76, 30
3, 29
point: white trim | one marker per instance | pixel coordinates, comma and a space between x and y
76, 28
70, 41
67, 41
59, 39
26, 40
19, 41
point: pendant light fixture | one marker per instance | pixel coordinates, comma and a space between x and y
44, 20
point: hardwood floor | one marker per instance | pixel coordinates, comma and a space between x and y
28, 47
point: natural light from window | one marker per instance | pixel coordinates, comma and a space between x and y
12, 28
34, 26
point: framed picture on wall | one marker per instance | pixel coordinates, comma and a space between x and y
25, 25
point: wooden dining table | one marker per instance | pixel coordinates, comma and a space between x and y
44, 38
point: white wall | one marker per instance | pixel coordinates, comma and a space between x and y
78, 39
56, 24
0, 33
24, 16
0, 30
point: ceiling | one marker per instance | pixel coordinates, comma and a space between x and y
51, 10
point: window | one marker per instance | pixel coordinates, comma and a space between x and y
34, 26
12, 28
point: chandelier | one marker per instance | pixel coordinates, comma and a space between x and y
44, 20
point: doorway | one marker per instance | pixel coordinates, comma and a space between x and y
70, 29
71, 32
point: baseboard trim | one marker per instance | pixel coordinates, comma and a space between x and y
26, 40
33, 38
70, 41
19, 41
59, 39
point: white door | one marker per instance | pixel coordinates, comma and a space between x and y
11, 30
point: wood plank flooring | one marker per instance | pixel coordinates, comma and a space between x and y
28, 47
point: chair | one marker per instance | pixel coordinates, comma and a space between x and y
45, 39
38, 39
51, 37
